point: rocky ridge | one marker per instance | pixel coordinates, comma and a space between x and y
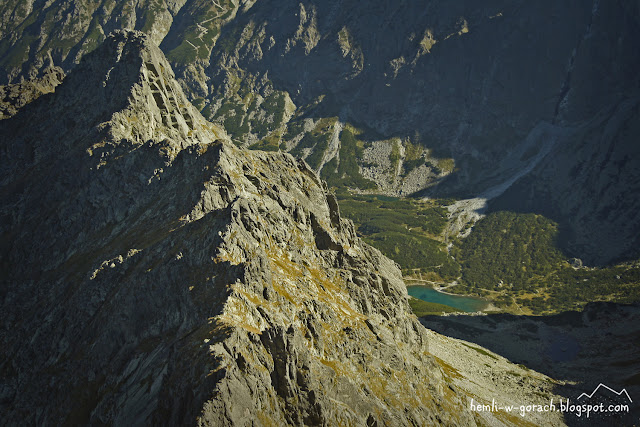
152, 272
15, 96
491, 379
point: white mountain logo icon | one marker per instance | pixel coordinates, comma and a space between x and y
619, 393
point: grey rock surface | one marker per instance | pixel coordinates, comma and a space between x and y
15, 96
154, 273
590, 183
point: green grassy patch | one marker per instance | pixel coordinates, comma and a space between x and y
406, 230
480, 350
395, 153
200, 38
423, 308
509, 249
264, 145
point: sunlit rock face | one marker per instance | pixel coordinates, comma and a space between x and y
154, 273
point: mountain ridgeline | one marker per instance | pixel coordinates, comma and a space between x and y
155, 273
540, 99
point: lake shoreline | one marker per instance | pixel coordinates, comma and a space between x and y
490, 307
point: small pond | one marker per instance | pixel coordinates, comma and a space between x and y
467, 304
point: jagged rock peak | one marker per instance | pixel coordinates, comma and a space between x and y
123, 91
129, 64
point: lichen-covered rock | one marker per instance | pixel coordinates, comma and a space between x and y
154, 273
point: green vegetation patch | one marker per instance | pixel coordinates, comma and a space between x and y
510, 258
414, 252
395, 153
199, 39
274, 109
232, 116
413, 157
509, 249
265, 145
406, 230
513, 259
423, 308
569, 287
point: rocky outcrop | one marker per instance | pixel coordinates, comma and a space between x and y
154, 273
34, 33
491, 379
15, 96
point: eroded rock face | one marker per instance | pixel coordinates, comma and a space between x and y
590, 184
153, 273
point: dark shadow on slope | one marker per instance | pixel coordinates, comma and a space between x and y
523, 197
598, 345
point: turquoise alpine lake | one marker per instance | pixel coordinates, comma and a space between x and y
467, 304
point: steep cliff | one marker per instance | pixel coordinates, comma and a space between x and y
154, 273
